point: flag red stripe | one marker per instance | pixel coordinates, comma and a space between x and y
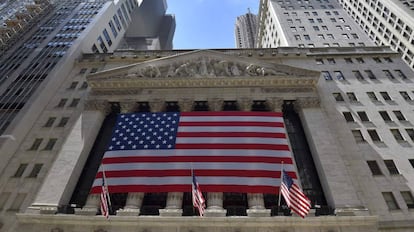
163, 173
187, 188
232, 113
199, 159
233, 146
242, 124
231, 134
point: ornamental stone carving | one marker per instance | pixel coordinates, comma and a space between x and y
98, 105
310, 102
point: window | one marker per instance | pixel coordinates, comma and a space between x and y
405, 95
112, 26
348, 116
316, 28
388, 74
390, 200
63, 122
385, 96
3, 199
376, 59
338, 97
385, 116
352, 97
20, 170
339, 75
74, 102
84, 85
107, 37
358, 75
355, 36
297, 37
348, 60
50, 144
373, 166
36, 144
399, 115
73, 85
363, 116
411, 162
325, 28
18, 201
35, 171
372, 96
360, 60
319, 61
358, 136
82, 71
401, 74
370, 74
391, 167
293, 29
410, 133
388, 59
408, 198
374, 135
330, 36
49, 122
306, 37
397, 135
62, 103
326, 75
331, 61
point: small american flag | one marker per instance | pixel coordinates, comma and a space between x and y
294, 197
198, 199
105, 200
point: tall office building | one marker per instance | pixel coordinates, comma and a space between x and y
389, 23
36, 60
246, 30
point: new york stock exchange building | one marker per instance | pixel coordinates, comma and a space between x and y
234, 119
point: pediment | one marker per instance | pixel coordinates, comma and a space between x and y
199, 65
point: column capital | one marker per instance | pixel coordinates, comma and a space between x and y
186, 105
216, 104
128, 106
98, 105
275, 104
156, 105
307, 102
245, 104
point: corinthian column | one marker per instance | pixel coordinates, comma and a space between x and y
91, 206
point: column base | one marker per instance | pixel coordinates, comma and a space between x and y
86, 211
171, 212
48, 210
351, 211
128, 212
258, 212
212, 212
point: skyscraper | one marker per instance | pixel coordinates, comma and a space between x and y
35, 62
389, 23
246, 30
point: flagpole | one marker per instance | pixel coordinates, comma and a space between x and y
280, 186
106, 186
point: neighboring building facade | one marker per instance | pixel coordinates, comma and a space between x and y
387, 22
246, 30
34, 69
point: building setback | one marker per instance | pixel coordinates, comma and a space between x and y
246, 30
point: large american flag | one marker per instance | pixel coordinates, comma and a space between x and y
295, 199
229, 152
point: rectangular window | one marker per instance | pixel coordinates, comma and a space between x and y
372, 96
326, 75
62, 103
73, 85
370, 74
374, 135
373, 166
352, 97
3, 199
331, 61
358, 136
411, 162
410, 133
84, 85
408, 198
405, 95
388, 74
338, 97
339, 75
397, 135
18, 201
74, 102
363, 116
63, 122
20, 170
319, 61
94, 49
385, 96
49, 122
102, 44
348, 116
83, 71
358, 75
50, 144
348, 60
121, 16
36, 144
390, 200
401, 74
35, 171
360, 60
113, 29
385, 116
118, 24
391, 167
399, 115
107, 37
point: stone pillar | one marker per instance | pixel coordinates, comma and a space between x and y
157, 105
128, 106
174, 204
216, 104
91, 206
275, 104
215, 205
132, 206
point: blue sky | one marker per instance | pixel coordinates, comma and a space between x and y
207, 23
